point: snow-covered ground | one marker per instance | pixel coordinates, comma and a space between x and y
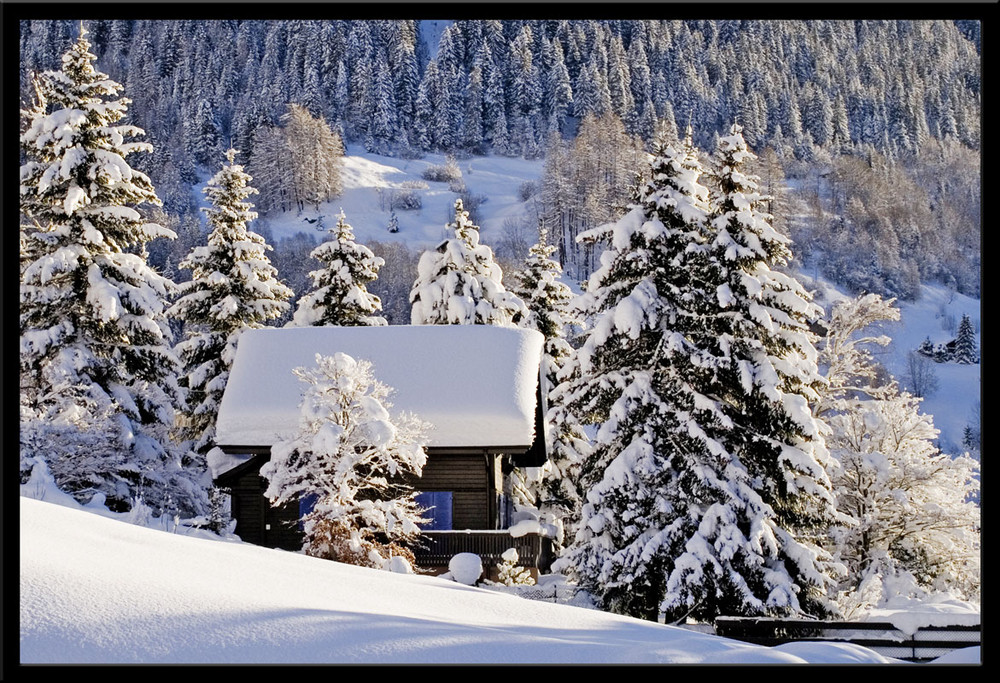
97, 589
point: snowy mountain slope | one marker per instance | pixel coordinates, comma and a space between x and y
97, 590
369, 178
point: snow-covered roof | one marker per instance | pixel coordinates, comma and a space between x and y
475, 383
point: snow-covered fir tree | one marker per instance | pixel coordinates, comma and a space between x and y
233, 288
915, 523
460, 283
965, 343
764, 376
621, 378
98, 377
339, 295
35, 110
546, 297
704, 469
349, 460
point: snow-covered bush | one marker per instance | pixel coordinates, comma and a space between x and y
404, 200
350, 458
527, 190
414, 185
466, 568
443, 173
397, 564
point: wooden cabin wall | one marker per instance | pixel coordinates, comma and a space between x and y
467, 476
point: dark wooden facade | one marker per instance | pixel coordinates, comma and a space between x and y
472, 477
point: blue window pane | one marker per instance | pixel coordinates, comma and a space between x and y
439, 509
306, 504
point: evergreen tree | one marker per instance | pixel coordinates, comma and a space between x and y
623, 379
423, 124
339, 295
202, 134
347, 459
472, 130
547, 300
765, 375
233, 288
689, 512
965, 343
384, 128
34, 112
558, 93
494, 104
98, 378
459, 283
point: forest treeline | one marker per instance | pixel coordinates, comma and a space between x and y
896, 103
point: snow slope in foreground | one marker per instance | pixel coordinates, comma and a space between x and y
98, 590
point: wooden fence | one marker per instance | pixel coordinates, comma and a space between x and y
927, 643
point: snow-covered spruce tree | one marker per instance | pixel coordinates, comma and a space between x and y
764, 376
459, 283
340, 296
233, 288
98, 377
623, 378
36, 110
350, 458
694, 498
915, 523
547, 300
965, 343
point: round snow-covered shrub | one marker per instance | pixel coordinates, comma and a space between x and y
405, 200
445, 173
466, 568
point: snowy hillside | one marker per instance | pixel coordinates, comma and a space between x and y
99, 590
369, 178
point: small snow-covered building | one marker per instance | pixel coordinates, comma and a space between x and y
478, 385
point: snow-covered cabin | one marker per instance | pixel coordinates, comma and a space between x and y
477, 384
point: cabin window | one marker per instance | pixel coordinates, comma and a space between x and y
438, 512
307, 502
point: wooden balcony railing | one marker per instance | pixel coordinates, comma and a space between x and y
438, 547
